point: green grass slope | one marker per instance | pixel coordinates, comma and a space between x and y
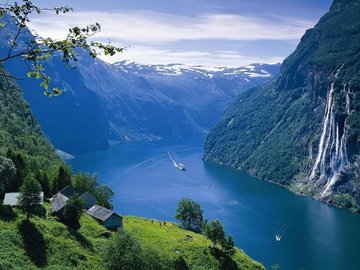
48, 244
171, 240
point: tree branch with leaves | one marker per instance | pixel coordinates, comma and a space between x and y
40, 49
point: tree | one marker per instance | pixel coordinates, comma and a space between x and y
215, 232
7, 174
29, 198
21, 170
62, 180
85, 181
228, 245
123, 252
89, 182
104, 196
73, 211
43, 180
190, 214
39, 49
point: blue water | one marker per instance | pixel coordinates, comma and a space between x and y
314, 235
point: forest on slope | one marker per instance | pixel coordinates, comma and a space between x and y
302, 129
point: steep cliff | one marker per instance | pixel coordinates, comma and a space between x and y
103, 104
19, 131
302, 129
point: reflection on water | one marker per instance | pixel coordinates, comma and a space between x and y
147, 184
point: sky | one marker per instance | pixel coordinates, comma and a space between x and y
227, 33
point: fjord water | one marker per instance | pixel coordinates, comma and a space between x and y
313, 235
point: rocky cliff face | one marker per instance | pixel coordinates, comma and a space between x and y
302, 129
105, 104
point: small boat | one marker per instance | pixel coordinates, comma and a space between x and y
181, 166
277, 237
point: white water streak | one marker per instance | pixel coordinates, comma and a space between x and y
175, 164
322, 146
331, 159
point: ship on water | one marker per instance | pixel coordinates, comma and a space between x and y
179, 165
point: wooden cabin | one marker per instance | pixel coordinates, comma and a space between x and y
58, 201
106, 217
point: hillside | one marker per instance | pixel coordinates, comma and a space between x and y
103, 104
19, 131
49, 244
302, 129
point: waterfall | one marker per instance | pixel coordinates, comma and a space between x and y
339, 163
331, 160
326, 132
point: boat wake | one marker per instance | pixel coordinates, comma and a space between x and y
179, 165
281, 232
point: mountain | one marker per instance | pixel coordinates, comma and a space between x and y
302, 129
19, 131
104, 104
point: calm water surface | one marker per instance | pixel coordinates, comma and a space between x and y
314, 235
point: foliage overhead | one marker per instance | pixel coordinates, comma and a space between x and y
40, 49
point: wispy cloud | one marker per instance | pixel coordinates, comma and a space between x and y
153, 27
149, 33
153, 55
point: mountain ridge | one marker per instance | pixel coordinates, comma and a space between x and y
103, 104
303, 128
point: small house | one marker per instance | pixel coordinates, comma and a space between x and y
89, 200
71, 191
11, 198
106, 217
58, 201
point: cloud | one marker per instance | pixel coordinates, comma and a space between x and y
152, 27
149, 33
151, 55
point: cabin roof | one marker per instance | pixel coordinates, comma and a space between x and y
11, 198
71, 191
87, 194
100, 212
58, 202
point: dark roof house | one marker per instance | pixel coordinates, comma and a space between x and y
106, 217
58, 201
71, 191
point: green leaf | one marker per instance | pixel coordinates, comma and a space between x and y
57, 91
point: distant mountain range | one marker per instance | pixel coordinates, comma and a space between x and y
104, 104
302, 129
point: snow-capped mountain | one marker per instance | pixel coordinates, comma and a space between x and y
250, 71
103, 104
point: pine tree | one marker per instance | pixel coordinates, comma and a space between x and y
43, 180
62, 180
215, 232
73, 211
21, 170
29, 198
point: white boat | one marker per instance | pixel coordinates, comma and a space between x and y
179, 165
277, 237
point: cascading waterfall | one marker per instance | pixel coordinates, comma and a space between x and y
325, 136
331, 160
